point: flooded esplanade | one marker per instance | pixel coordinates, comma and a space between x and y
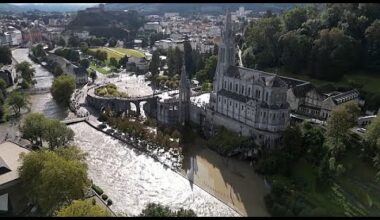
133, 179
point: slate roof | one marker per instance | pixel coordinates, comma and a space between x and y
232, 95
346, 96
269, 79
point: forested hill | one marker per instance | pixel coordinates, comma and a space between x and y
108, 24
183, 8
325, 44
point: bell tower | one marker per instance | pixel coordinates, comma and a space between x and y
184, 97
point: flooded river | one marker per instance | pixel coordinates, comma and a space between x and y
132, 179
42, 103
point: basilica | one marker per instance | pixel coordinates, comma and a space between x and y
246, 101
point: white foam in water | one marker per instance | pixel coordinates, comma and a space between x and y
132, 179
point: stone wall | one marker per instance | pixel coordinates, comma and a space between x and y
122, 105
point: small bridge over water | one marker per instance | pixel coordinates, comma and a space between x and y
74, 120
33, 91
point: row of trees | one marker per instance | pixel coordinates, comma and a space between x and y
69, 54
323, 44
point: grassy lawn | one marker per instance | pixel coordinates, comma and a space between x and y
118, 53
99, 69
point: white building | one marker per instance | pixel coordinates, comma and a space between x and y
153, 26
13, 37
82, 34
171, 14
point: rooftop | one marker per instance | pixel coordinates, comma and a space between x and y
10, 153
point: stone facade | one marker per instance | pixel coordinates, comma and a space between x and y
247, 101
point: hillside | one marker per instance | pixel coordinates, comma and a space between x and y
107, 24
159, 8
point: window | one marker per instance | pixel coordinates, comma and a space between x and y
264, 114
274, 116
225, 84
230, 103
283, 115
219, 99
242, 107
249, 91
231, 86
242, 90
236, 105
236, 87
225, 101
266, 96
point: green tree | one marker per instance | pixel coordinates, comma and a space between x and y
341, 120
207, 74
372, 137
113, 62
155, 63
33, 128
330, 53
294, 18
62, 88
81, 208
263, 37
372, 36
27, 72
112, 42
5, 55
85, 63
61, 42
51, 180
123, 61
57, 134
293, 141
158, 210
93, 75
17, 101
74, 41
294, 51
83, 46
38, 51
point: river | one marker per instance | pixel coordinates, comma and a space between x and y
131, 179
42, 103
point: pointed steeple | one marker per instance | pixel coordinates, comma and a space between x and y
184, 95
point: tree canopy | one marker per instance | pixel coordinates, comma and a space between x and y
62, 88
158, 210
38, 129
52, 179
81, 208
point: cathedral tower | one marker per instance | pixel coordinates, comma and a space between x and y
226, 53
184, 96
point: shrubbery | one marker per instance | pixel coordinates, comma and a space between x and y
104, 197
97, 189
